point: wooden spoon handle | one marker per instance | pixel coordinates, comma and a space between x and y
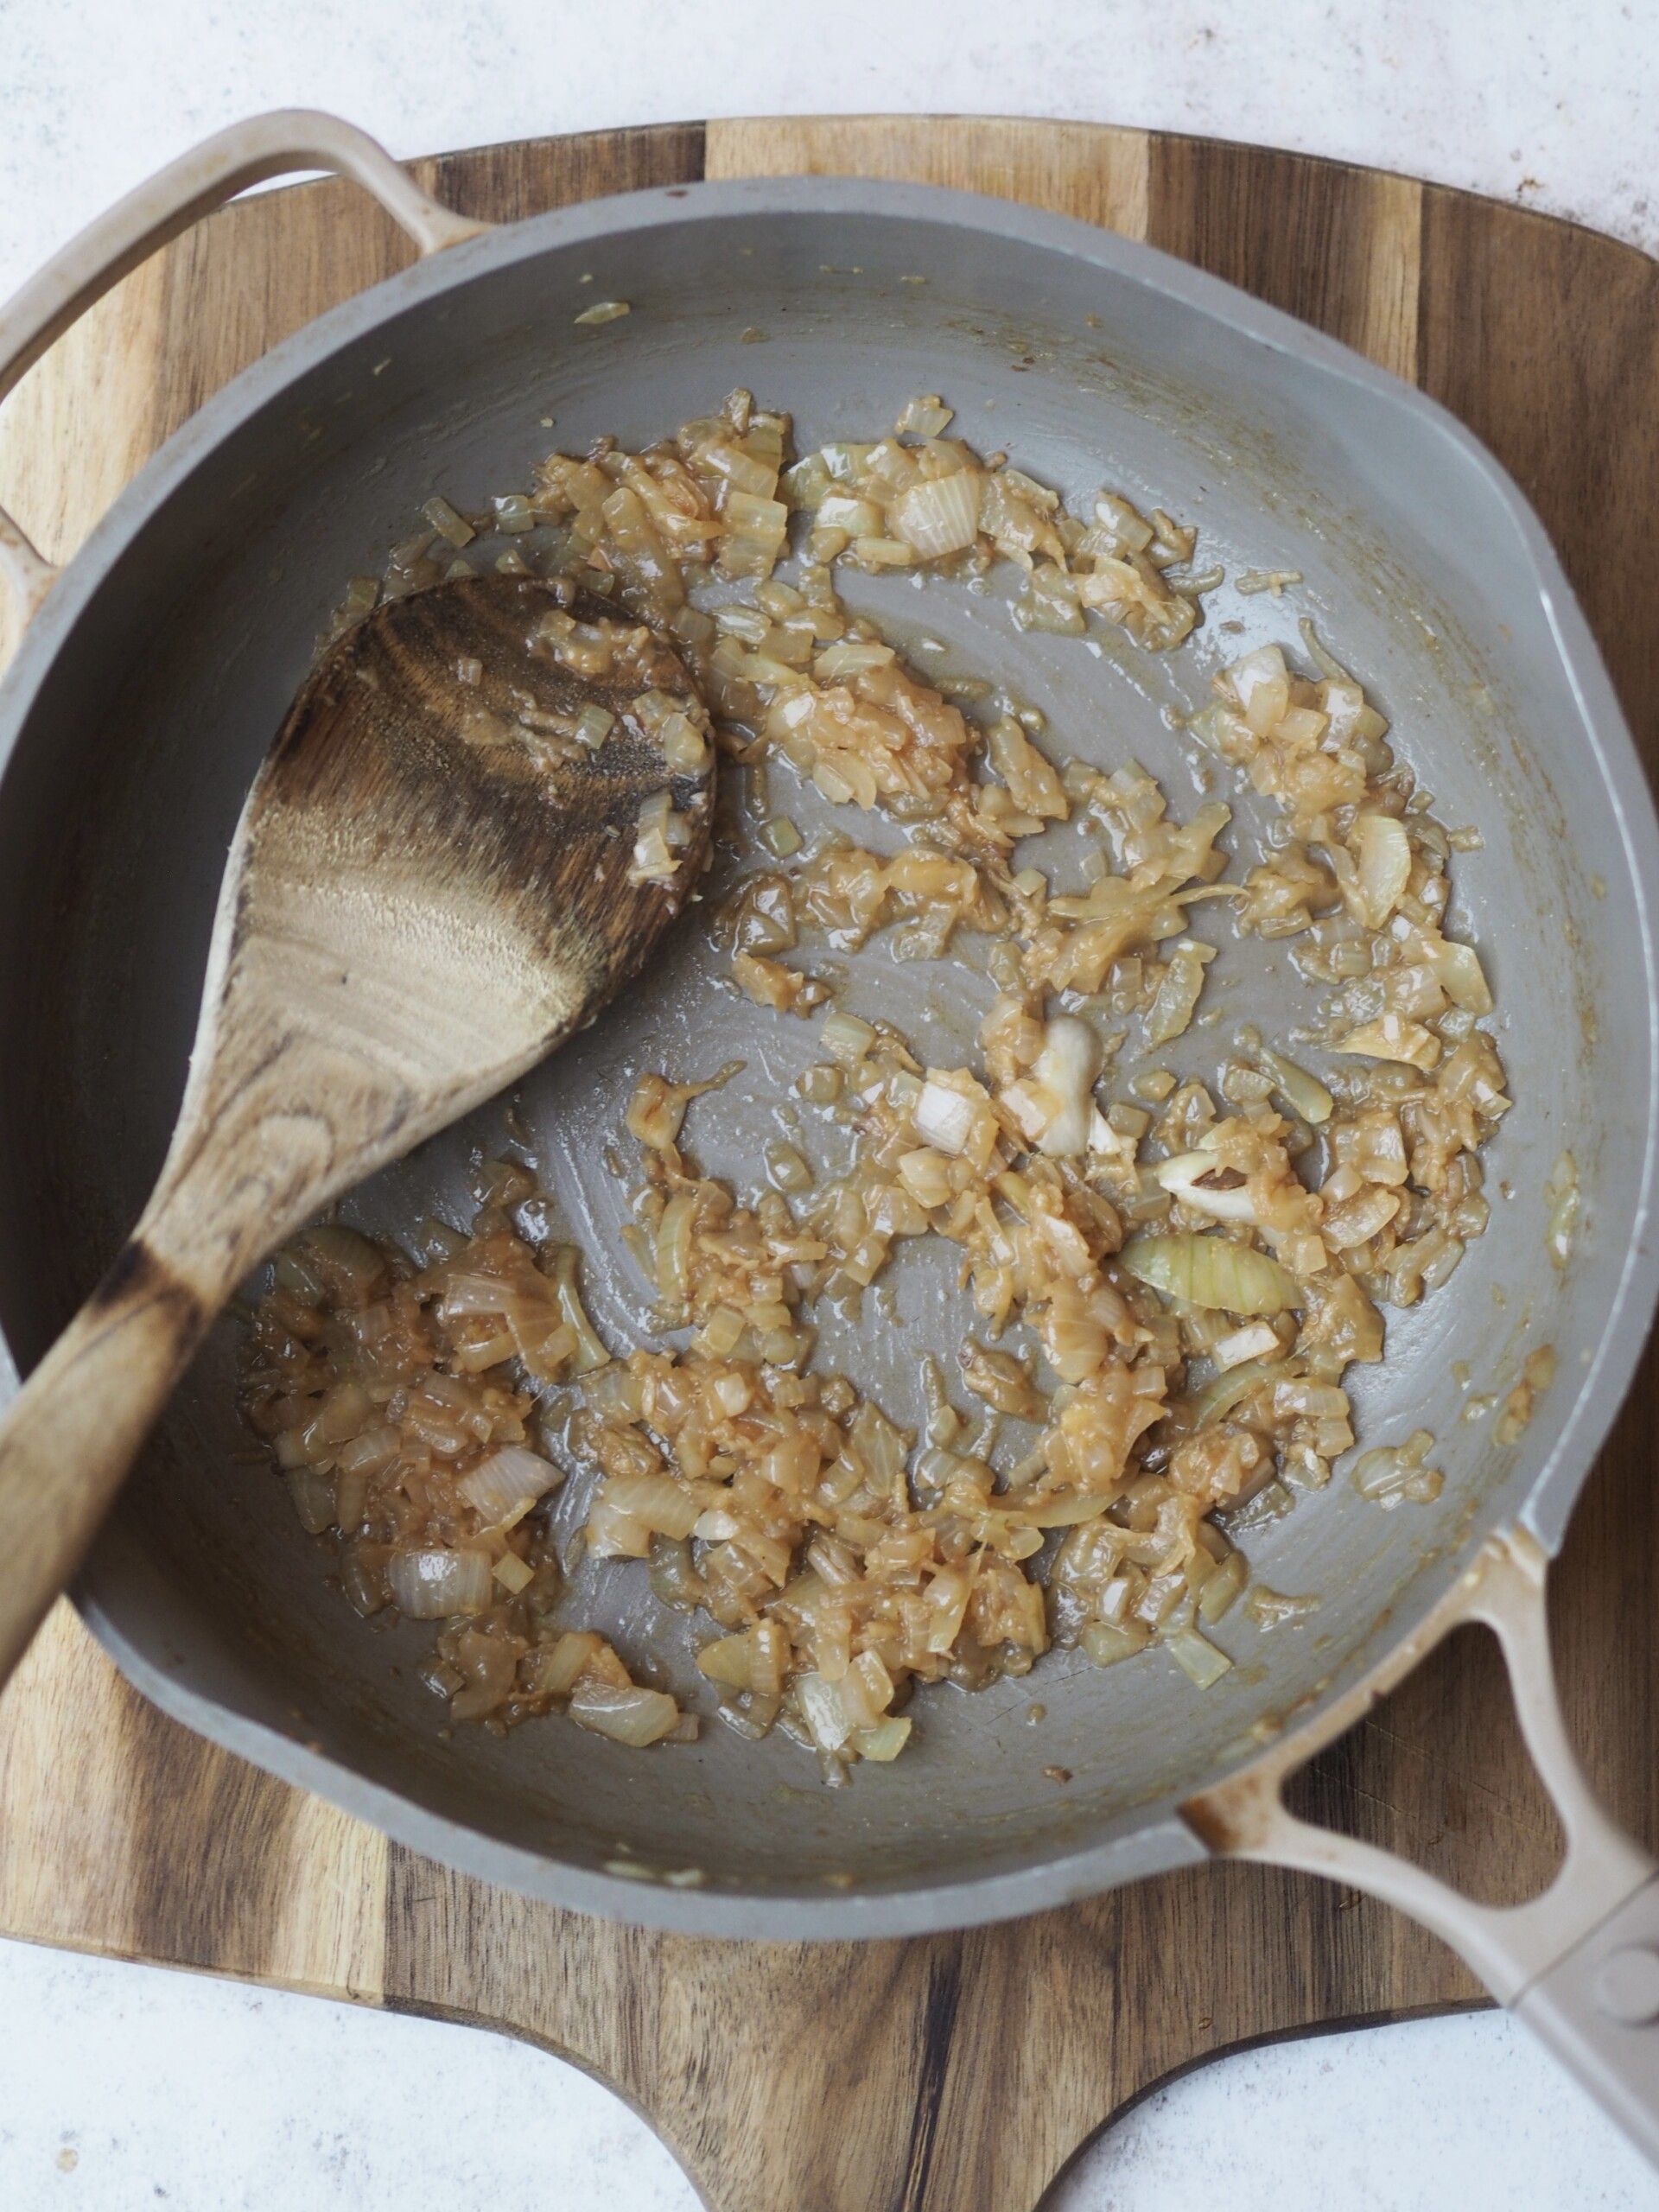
75, 1427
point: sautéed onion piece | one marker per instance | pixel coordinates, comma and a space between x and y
1167, 1299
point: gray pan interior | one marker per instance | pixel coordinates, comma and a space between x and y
133, 720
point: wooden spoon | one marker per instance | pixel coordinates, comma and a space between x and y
442, 871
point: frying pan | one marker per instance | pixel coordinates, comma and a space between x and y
151, 675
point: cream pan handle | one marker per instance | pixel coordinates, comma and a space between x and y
1579, 1963
265, 146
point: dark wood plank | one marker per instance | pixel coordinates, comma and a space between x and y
1336, 245
1540, 335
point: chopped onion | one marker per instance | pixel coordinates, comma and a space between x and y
590, 1352
507, 1478
313, 1499
369, 1453
940, 516
884, 552
1216, 1400
594, 725
1396, 1472
1221, 1590
447, 523
1123, 530
1271, 1609
558, 1669
685, 749
1197, 1657
1178, 994
1561, 1196
1211, 1271
361, 594
883, 1742
674, 1579
655, 1500
347, 1264
1261, 684
437, 1585
674, 1245
1393, 1038
785, 1167
758, 531
1304, 1093
1050, 603
632, 1716
465, 1295
1458, 972
846, 1038
1256, 1341
858, 517
926, 417
944, 1118
1107, 1641
1382, 852
822, 1710
807, 484
1198, 1179
728, 1660
653, 860
1066, 1068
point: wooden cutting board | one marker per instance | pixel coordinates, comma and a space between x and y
959, 2074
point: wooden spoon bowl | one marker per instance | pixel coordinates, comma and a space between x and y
485, 807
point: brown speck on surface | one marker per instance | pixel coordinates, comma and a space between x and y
1057, 1774
1206, 2020
1036, 1713
1537, 1374
68, 2159
838, 1881
1093, 321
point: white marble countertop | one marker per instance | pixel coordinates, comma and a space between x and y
122, 2086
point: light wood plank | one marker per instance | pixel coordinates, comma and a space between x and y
1092, 169
1386, 328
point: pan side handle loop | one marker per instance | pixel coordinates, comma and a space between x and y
1580, 1962
97, 258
